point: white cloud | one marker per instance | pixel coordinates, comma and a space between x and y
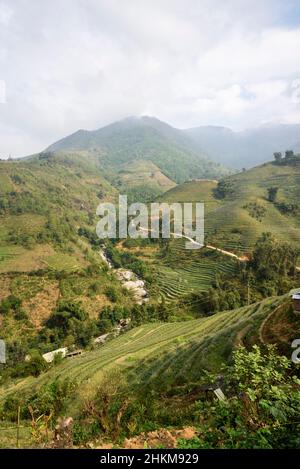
2, 91
82, 64
6, 13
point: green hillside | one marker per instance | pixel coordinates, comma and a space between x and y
142, 138
56, 290
195, 272
43, 202
238, 213
141, 180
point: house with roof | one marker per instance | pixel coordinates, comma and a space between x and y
296, 302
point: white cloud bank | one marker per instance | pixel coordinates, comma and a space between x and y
84, 63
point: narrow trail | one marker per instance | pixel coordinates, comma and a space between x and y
208, 246
228, 253
265, 321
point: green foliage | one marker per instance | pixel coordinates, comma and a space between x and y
10, 304
278, 156
263, 409
271, 271
272, 260
225, 188
272, 194
33, 367
290, 159
255, 210
50, 399
288, 208
128, 260
69, 320
112, 293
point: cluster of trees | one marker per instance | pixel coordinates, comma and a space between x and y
225, 188
284, 207
12, 304
288, 208
68, 324
138, 314
255, 210
57, 231
262, 410
273, 260
289, 158
128, 260
272, 194
17, 203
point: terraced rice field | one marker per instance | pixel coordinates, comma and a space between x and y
6, 253
184, 272
228, 223
62, 262
150, 349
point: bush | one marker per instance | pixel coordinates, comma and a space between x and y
12, 303
112, 294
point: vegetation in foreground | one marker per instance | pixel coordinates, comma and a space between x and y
260, 407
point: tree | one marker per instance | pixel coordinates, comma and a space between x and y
272, 194
278, 156
11, 303
289, 154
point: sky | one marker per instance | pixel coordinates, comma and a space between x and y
72, 64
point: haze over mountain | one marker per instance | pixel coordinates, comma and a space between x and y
142, 139
148, 138
246, 148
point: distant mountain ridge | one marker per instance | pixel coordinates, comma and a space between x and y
145, 138
246, 148
149, 138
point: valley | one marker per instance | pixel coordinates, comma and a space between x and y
151, 326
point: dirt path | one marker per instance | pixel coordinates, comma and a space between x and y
265, 321
238, 341
208, 246
228, 253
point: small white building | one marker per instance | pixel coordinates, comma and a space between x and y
2, 352
101, 339
296, 302
49, 356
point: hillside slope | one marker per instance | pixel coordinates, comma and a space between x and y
239, 211
183, 349
43, 202
145, 138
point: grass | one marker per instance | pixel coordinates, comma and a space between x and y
8, 431
62, 262
228, 223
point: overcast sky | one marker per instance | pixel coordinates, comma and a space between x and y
70, 64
